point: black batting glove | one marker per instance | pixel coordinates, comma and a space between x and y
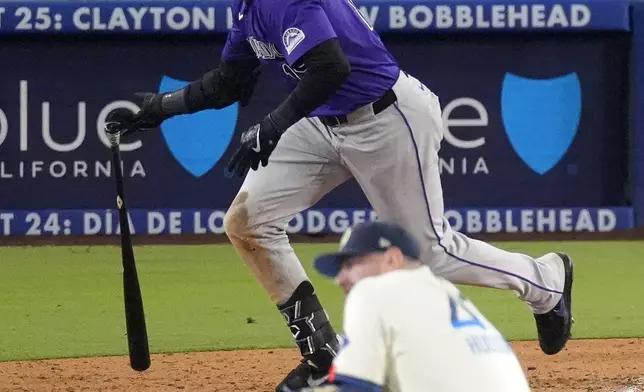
151, 114
256, 145
148, 118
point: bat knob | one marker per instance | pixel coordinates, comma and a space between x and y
113, 131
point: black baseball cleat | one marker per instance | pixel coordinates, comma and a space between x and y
554, 327
305, 375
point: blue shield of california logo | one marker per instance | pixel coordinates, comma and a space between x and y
541, 117
197, 141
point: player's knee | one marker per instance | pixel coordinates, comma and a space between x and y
234, 223
236, 219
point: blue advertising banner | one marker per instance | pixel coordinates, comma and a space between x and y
54, 155
208, 17
312, 221
637, 119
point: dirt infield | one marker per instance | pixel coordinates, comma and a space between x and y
585, 365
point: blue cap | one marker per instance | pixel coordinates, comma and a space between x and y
367, 238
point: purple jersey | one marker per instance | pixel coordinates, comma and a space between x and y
284, 30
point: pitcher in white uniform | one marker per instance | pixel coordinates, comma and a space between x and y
406, 329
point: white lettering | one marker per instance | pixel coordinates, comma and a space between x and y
184, 18
538, 15
6, 218
498, 16
175, 222
156, 222
108, 223
137, 15
91, 223
584, 221
137, 170
80, 169
217, 216
481, 166
580, 15
493, 221
606, 220
557, 17
480, 18
446, 165
57, 173
97, 24
521, 16
371, 15
201, 18
397, 18
464, 17
76, 18
526, 221
544, 220
314, 221
481, 121
23, 115
565, 220
36, 167
474, 224
420, 16
156, 13
358, 217
4, 174
106, 169
118, 20
444, 17
4, 127
338, 221
46, 132
509, 224
198, 229
296, 224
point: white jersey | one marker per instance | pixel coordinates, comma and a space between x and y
411, 331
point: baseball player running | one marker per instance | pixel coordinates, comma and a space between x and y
406, 329
353, 113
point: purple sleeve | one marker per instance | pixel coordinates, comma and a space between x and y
237, 48
302, 25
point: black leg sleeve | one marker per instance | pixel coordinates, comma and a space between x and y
310, 326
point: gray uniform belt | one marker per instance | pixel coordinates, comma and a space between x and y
383, 103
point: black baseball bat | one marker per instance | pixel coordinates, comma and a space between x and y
137, 336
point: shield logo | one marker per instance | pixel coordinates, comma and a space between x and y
541, 117
197, 141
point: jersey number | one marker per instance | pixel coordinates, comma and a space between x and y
462, 315
360, 14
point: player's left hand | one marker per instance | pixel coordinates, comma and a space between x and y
148, 118
256, 145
